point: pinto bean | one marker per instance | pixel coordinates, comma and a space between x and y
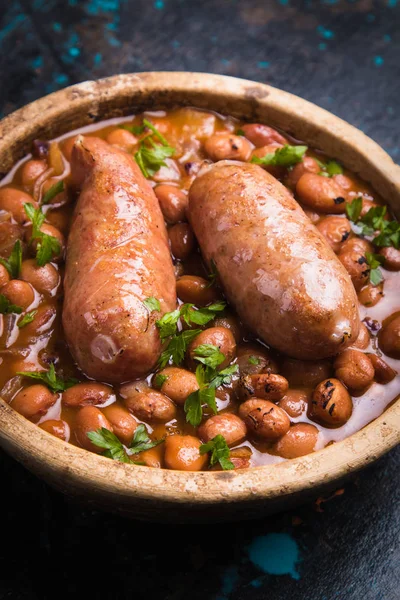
30, 171
196, 290
383, 372
44, 279
277, 171
240, 457
254, 359
173, 202
122, 138
19, 292
392, 258
320, 193
122, 422
357, 267
261, 135
42, 321
154, 457
230, 322
13, 200
230, 426
87, 393
370, 294
150, 405
331, 403
268, 386
33, 402
307, 165
182, 453
227, 146
57, 428
294, 402
220, 337
300, 440
49, 230
354, 369
4, 276
182, 240
179, 384
89, 418
362, 341
389, 338
357, 244
264, 419
335, 230
305, 373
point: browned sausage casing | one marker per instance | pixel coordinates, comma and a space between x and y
117, 256
277, 270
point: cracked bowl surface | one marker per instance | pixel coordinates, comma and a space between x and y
160, 494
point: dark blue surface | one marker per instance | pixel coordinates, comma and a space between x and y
345, 57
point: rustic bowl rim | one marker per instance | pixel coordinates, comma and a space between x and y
55, 459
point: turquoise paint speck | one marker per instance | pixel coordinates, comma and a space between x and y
263, 64
113, 41
225, 61
175, 44
322, 46
230, 578
73, 2
387, 37
37, 62
97, 58
256, 583
61, 78
74, 52
11, 26
159, 4
326, 33
95, 7
370, 18
392, 3
378, 61
275, 554
57, 27
284, 2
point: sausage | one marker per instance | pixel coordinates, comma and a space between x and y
117, 256
285, 282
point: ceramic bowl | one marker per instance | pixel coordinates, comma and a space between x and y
164, 495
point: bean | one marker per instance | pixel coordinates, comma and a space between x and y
240, 457
9, 234
230, 322
154, 457
362, 341
392, 258
264, 419
33, 402
60, 198
122, 422
42, 321
179, 384
173, 202
370, 294
383, 372
389, 338
67, 146
30, 171
335, 230
357, 267
261, 135
320, 193
268, 386
275, 170
254, 359
354, 369
356, 244
4, 276
182, 240
89, 418
87, 393
307, 165
182, 453
294, 402
49, 230
150, 405
57, 428
220, 337
331, 403
122, 138
19, 292
304, 373
300, 440
226, 146
196, 290
230, 426
13, 200
44, 279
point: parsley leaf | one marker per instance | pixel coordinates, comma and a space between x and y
374, 261
152, 304
177, 347
141, 441
135, 129
168, 324
47, 245
353, 209
151, 156
159, 379
193, 405
254, 360
104, 438
27, 318
6, 308
52, 192
219, 452
209, 355
49, 378
389, 236
13, 264
333, 168
375, 217
240, 132
223, 377
282, 157
201, 316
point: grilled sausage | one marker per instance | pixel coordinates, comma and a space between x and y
277, 270
117, 257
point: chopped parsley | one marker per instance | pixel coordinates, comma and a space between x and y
240, 132
177, 347
209, 355
27, 318
49, 378
151, 155
152, 304
330, 169
160, 379
201, 316
375, 261
6, 308
47, 246
219, 452
103, 438
141, 441
52, 192
287, 156
135, 129
167, 325
353, 209
13, 263
254, 360
374, 221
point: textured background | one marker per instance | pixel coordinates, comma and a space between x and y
342, 55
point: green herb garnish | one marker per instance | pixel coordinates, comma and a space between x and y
254, 360
47, 245
26, 319
177, 347
141, 441
151, 155
103, 438
373, 221
204, 395
13, 263
6, 308
375, 261
287, 156
160, 379
219, 452
201, 316
209, 355
52, 192
167, 325
240, 132
152, 304
49, 378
